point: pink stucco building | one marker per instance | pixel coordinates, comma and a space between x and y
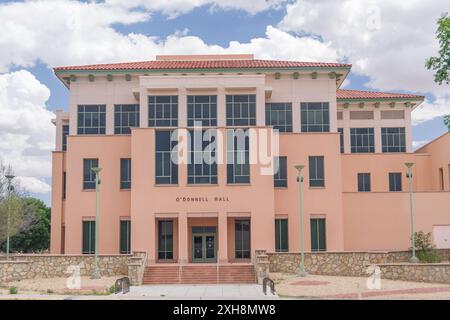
354, 144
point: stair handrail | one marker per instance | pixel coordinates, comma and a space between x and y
271, 283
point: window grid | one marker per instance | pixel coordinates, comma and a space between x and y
395, 181
364, 182
88, 237
318, 234
126, 116
393, 139
125, 173
362, 140
202, 109
125, 237
202, 166
91, 119
65, 133
341, 139
316, 171
280, 177
163, 111
315, 117
88, 174
238, 156
281, 235
241, 110
242, 239
279, 115
165, 239
166, 171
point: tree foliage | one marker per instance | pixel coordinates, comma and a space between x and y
441, 63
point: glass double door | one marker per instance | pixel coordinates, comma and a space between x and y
204, 247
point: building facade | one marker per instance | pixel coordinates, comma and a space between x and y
137, 122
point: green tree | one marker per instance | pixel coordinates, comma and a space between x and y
441, 64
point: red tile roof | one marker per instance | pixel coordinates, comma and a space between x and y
360, 94
205, 64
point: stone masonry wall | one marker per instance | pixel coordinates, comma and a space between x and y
420, 272
47, 266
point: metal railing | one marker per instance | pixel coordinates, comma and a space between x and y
122, 284
271, 284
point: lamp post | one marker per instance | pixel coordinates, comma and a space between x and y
302, 251
9, 177
411, 214
96, 273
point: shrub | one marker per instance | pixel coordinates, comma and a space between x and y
13, 290
425, 249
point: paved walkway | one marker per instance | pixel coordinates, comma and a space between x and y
200, 292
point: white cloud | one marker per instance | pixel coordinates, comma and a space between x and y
34, 185
27, 136
417, 144
385, 40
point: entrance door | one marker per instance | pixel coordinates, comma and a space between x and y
204, 247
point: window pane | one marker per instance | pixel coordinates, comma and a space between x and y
362, 140
314, 117
318, 234
280, 176
125, 236
91, 119
393, 139
166, 170
241, 110
316, 171
163, 111
281, 235
238, 164
165, 239
279, 115
242, 239
126, 116
125, 173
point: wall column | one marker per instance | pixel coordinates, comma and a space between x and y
183, 250
377, 130
223, 239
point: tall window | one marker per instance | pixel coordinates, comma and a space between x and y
125, 173
125, 236
163, 111
65, 133
280, 176
238, 156
362, 140
395, 181
318, 234
91, 119
165, 239
241, 110
203, 110
166, 170
279, 115
88, 237
315, 116
126, 116
202, 166
363, 182
393, 139
242, 239
281, 235
341, 138
88, 174
316, 172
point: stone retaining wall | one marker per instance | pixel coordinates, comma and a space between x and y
419, 272
29, 266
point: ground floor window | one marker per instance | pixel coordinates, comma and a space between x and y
318, 232
165, 239
281, 235
125, 236
242, 239
88, 237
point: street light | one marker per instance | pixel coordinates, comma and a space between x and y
302, 251
411, 215
96, 273
9, 177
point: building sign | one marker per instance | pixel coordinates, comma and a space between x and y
202, 199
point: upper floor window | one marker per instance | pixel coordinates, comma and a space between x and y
315, 116
166, 167
125, 117
279, 115
362, 140
238, 156
202, 166
393, 139
363, 182
91, 119
280, 175
163, 111
65, 133
241, 110
395, 181
341, 139
88, 174
316, 171
125, 173
202, 110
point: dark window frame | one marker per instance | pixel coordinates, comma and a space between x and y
364, 183
168, 173
200, 110
165, 240
162, 113
65, 132
279, 116
198, 170
393, 139
280, 177
395, 182
315, 116
125, 240
241, 110
362, 140
318, 237
91, 119
88, 237
241, 251
316, 171
88, 174
125, 173
126, 116
281, 236
341, 140
238, 159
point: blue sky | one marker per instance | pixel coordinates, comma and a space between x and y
387, 52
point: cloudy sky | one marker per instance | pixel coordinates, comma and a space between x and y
386, 41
